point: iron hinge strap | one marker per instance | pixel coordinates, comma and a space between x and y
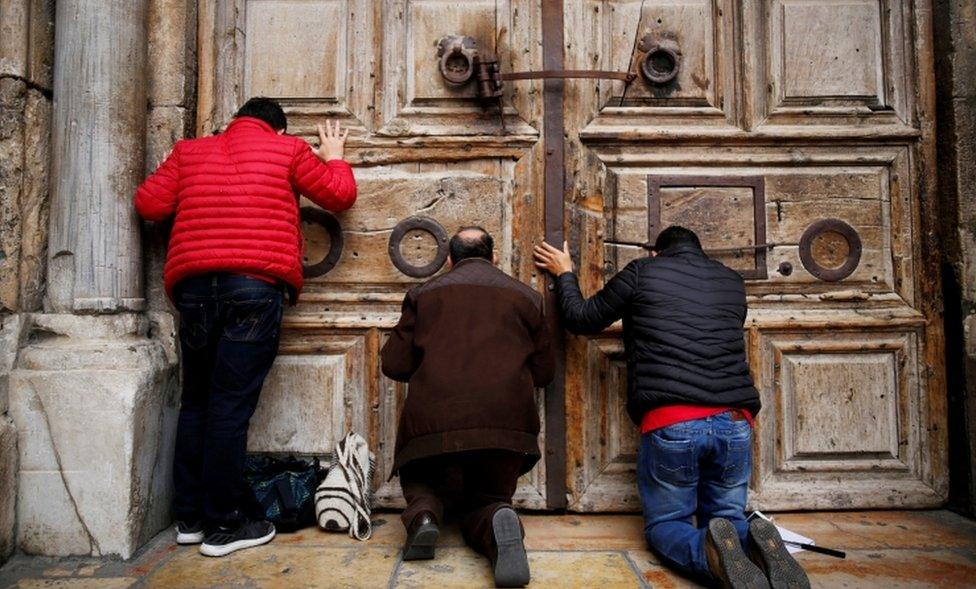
566, 74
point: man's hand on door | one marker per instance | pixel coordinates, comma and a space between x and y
552, 260
332, 141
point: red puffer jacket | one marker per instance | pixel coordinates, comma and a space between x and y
234, 199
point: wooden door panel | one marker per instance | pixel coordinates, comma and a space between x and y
692, 37
844, 422
604, 453
415, 99
315, 56
836, 62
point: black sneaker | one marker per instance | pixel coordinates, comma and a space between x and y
727, 562
249, 534
511, 564
189, 532
767, 550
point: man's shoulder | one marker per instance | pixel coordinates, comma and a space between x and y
480, 275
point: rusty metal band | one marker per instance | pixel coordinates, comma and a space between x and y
331, 225
432, 227
814, 267
553, 128
568, 74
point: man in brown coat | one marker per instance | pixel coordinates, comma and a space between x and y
473, 345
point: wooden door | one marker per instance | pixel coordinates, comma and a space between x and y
797, 131
428, 158
805, 125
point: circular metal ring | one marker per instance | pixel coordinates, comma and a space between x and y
660, 64
825, 273
457, 55
424, 224
332, 226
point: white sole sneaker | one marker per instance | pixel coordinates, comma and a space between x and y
185, 538
225, 549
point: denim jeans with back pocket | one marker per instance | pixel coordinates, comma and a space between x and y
229, 330
687, 474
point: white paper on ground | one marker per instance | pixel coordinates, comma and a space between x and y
786, 534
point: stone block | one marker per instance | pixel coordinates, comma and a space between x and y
8, 487
94, 402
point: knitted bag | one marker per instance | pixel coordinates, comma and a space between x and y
343, 500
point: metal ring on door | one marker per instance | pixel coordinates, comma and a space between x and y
423, 224
821, 268
332, 226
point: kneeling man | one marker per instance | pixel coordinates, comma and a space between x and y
691, 395
473, 345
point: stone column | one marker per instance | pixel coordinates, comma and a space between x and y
98, 151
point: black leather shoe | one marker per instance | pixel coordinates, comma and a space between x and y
510, 563
767, 550
421, 537
728, 563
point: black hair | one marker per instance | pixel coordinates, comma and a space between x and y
676, 235
481, 246
266, 109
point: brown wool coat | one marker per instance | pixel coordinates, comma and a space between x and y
473, 344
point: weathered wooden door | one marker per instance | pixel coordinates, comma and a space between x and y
428, 159
797, 131
800, 131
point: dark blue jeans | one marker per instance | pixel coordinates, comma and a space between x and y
229, 327
695, 469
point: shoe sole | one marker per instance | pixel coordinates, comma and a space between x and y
738, 571
781, 568
225, 549
512, 563
185, 538
422, 545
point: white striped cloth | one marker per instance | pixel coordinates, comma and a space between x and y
343, 500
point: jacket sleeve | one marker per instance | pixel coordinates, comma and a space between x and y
592, 315
400, 358
156, 196
331, 185
542, 363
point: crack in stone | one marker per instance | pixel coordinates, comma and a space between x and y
93, 545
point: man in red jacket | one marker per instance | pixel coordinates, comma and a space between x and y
234, 255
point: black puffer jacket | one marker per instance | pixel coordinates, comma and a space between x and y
683, 314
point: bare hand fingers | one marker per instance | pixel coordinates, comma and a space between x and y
345, 133
322, 136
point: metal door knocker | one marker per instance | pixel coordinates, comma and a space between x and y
331, 224
830, 249
432, 227
661, 61
457, 54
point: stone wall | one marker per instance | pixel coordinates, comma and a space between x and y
26, 61
26, 57
955, 23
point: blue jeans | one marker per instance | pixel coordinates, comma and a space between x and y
229, 328
699, 469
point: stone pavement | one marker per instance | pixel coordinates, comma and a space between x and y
891, 549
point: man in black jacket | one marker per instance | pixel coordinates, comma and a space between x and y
691, 394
